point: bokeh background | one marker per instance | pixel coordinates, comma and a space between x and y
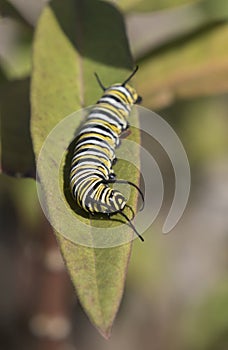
176, 294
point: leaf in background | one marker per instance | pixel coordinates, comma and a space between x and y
15, 48
194, 67
17, 156
148, 5
8, 10
73, 39
149, 31
28, 9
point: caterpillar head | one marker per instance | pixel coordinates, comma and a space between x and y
133, 96
130, 95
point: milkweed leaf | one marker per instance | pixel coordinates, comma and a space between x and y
73, 40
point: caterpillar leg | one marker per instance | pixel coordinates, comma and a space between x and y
112, 179
114, 161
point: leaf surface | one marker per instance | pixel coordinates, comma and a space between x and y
70, 45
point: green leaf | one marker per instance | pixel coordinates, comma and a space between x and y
28, 11
148, 5
194, 67
98, 276
73, 40
15, 48
151, 30
8, 10
209, 7
17, 157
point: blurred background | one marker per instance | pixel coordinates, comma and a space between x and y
176, 294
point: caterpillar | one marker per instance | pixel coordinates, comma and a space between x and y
94, 153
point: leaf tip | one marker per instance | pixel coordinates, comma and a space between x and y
105, 332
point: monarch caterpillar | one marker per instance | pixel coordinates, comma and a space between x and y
94, 153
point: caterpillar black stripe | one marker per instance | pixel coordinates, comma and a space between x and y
94, 154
